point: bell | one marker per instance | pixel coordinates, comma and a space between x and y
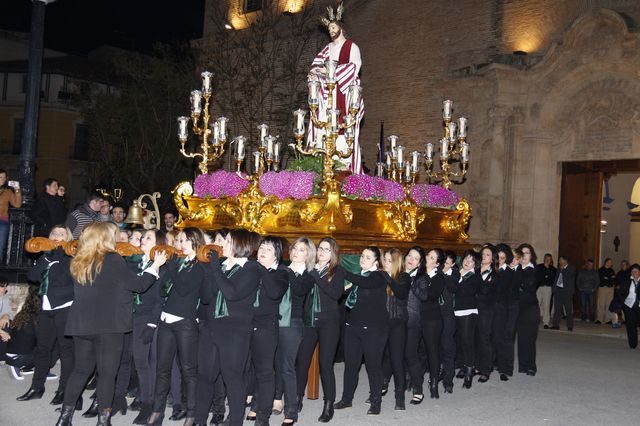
135, 214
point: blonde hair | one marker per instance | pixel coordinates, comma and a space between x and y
397, 262
310, 260
66, 230
96, 240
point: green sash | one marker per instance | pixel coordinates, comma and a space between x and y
166, 288
353, 296
221, 309
310, 320
137, 297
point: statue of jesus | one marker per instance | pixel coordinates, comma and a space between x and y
347, 54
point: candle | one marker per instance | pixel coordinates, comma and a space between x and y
355, 93
379, 169
444, 148
393, 140
465, 152
298, 126
270, 144
240, 147
206, 82
388, 161
414, 161
331, 70
446, 109
407, 173
429, 151
400, 151
334, 114
215, 130
196, 97
394, 153
264, 129
183, 122
452, 131
314, 88
276, 151
462, 127
256, 161
222, 128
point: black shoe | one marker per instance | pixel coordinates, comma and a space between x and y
342, 404
285, 423
58, 398
327, 412
92, 383
400, 404
468, 377
433, 389
374, 409
31, 394
460, 374
143, 415
300, 398
119, 405
448, 388
483, 378
66, 415
136, 405
416, 399
546, 327
104, 418
504, 377
251, 417
531, 372
178, 413
155, 419
93, 410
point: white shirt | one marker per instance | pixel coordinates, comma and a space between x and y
372, 269
433, 273
503, 267
300, 270
448, 272
239, 261
414, 273
631, 298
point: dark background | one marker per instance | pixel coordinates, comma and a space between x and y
78, 26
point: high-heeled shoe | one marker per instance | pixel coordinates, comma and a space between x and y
468, 377
504, 377
31, 394
460, 374
342, 404
58, 398
93, 410
251, 417
178, 413
448, 388
327, 412
277, 407
136, 405
66, 415
119, 405
374, 409
416, 399
104, 418
483, 378
433, 389
143, 415
155, 419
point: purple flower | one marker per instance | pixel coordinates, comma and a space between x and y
219, 184
434, 196
372, 188
288, 184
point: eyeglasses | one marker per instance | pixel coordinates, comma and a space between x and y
324, 249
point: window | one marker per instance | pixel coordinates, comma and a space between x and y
81, 145
252, 6
18, 131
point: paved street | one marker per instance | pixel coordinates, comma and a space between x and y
588, 377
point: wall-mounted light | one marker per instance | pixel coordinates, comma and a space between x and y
228, 26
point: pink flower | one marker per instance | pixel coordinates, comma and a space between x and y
219, 184
434, 196
288, 184
372, 188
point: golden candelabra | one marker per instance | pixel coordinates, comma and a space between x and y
115, 194
331, 126
453, 148
213, 135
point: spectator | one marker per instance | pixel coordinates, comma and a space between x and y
563, 290
85, 214
6, 313
49, 209
587, 283
623, 274
61, 193
169, 221
10, 195
605, 291
105, 211
546, 273
18, 341
118, 215
630, 295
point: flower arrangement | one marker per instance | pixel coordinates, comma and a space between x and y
219, 184
288, 184
372, 188
426, 195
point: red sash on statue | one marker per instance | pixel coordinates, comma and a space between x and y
343, 58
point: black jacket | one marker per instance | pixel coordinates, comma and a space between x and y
488, 293
272, 287
183, 289
506, 291
48, 211
300, 286
625, 287
148, 304
450, 289
106, 305
60, 288
329, 291
370, 309
544, 275
568, 280
466, 292
397, 298
429, 291
525, 279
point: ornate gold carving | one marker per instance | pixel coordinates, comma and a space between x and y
460, 222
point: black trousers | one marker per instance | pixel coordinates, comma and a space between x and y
326, 334
223, 349
448, 347
264, 342
466, 329
50, 333
289, 339
182, 338
145, 360
101, 352
504, 333
562, 300
368, 342
632, 316
416, 363
484, 360
124, 371
393, 361
431, 332
528, 322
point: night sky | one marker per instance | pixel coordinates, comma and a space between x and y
78, 26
